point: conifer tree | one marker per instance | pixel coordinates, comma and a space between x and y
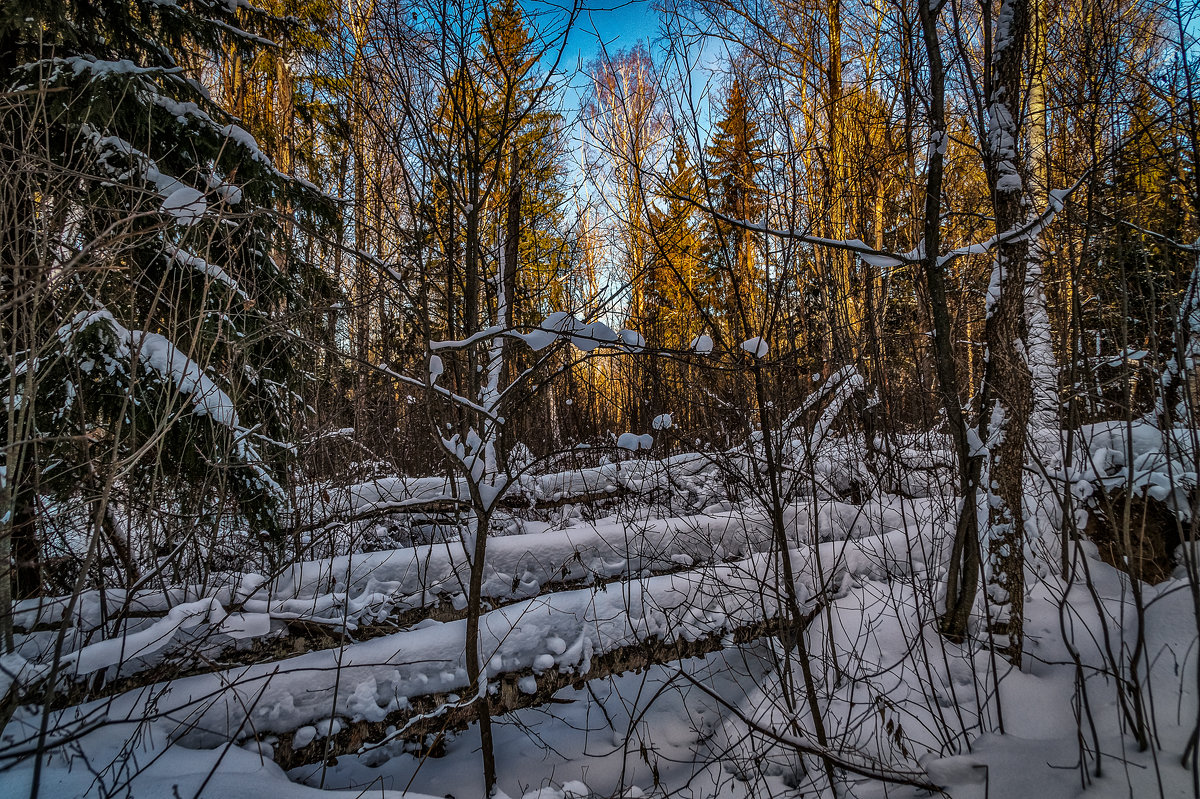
734, 163
142, 319
279, 94
494, 139
532, 167
676, 298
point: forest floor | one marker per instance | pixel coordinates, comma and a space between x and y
636, 654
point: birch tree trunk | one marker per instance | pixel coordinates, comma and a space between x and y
1039, 337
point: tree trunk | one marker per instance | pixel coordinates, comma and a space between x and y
27, 582
963, 575
512, 243
1039, 337
21, 290
1007, 390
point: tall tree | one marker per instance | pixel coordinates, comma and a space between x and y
1006, 397
626, 123
734, 161
677, 299
142, 323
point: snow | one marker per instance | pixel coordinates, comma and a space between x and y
956, 769
228, 192
398, 492
549, 331
103, 654
873, 257
643, 730
16, 672
379, 676
872, 562
755, 346
186, 204
633, 442
633, 339
879, 260
562, 592
1001, 134
352, 591
191, 686
585, 336
159, 354
435, 368
209, 270
138, 758
590, 337
1010, 181
1164, 466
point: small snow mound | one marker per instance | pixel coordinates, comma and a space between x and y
633, 339
701, 344
187, 205
246, 625
662, 422
544, 793
303, 737
955, 770
755, 346
633, 442
575, 790
548, 792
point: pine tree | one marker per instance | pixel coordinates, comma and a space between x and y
275, 88
493, 139
531, 147
734, 162
1137, 275
677, 301
143, 327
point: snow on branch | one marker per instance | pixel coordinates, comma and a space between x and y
1027, 230
157, 353
558, 326
163, 358
886, 260
869, 254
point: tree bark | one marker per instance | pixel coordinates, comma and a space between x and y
963, 574
1007, 390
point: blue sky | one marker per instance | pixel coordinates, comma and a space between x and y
618, 24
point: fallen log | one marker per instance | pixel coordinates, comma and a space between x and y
1138, 534
412, 680
438, 714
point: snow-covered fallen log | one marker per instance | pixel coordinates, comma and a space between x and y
416, 494
348, 589
366, 594
687, 474
381, 681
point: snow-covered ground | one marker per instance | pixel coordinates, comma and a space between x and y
901, 708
